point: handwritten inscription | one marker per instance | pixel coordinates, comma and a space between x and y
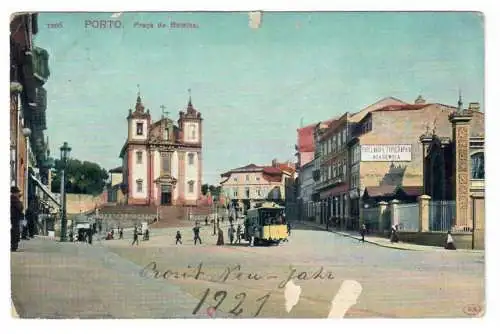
233, 273
220, 296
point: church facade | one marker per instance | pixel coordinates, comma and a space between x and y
162, 160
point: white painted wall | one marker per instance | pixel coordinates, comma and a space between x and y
139, 171
191, 175
133, 129
156, 171
188, 132
175, 174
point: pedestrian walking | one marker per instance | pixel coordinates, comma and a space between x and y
120, 233
394, 234
238, 234
196, 231
230, 233
363, 232
178, 238
449, 242
206, 221
222, 219
136, 237
89, 236
16, 215
220, 237
146, 235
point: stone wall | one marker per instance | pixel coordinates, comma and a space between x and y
81, 202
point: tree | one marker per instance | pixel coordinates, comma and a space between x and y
215, 191
81, 177
204, 189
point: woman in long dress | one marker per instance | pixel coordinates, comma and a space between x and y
220, 237
449, 242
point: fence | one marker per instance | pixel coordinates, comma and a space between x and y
441, 215
370, 218
408, 217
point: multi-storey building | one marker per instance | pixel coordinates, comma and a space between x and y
319, 130
30, 163
386, 155
162, 162
306, 189
252, 184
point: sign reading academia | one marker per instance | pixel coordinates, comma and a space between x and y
391, 152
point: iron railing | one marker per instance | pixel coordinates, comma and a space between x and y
408, 217
441, 215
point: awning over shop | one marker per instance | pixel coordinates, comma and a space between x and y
45, 190
388, 191
341, 189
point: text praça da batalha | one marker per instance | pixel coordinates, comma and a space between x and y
234, 272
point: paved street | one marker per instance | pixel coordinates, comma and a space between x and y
105, 280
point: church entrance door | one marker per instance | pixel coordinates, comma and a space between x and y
166, 195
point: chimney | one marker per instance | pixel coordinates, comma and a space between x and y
420, 100
274, 162
474, 106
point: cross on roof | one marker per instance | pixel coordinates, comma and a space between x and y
164, 113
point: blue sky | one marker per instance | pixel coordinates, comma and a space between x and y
251, 86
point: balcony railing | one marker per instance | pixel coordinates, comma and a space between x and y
331, 182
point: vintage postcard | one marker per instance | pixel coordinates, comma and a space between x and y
247, 165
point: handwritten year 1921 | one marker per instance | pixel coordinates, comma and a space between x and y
220, 296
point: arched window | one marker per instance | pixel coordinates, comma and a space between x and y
477, 166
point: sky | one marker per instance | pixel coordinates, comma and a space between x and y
253, 87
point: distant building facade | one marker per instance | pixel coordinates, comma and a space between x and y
162, 160
253, 184
306, 189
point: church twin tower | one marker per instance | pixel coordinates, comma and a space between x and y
162, 162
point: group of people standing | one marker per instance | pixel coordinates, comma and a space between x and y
22, 220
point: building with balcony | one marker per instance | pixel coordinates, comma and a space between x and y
252, 184
30, 161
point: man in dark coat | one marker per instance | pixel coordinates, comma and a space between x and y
136, 237
196, 231
220, 237
16, 214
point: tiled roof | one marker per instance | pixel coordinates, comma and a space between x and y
272, 170
380, 191
250, 167
395, 107
118, 169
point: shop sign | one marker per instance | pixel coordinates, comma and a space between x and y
392, 152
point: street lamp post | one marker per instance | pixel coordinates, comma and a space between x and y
65, 150
26, 134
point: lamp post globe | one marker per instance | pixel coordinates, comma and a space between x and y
26, 132
65, 150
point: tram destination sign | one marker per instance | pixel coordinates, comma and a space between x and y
390, 152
